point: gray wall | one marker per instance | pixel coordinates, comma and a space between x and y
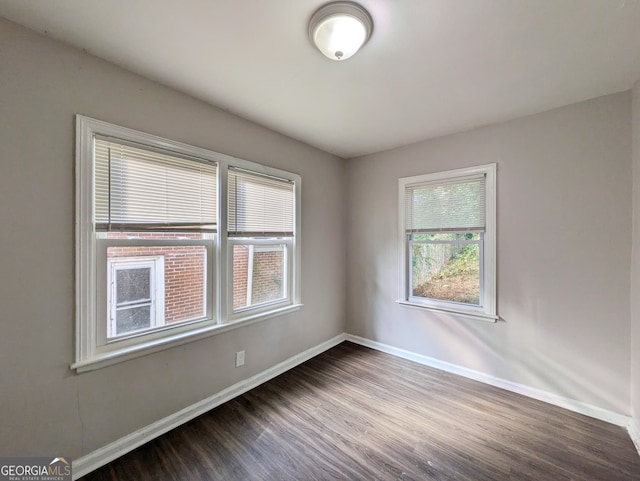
635, 265
564, 244
46, 408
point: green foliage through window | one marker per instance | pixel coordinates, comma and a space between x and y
446, 266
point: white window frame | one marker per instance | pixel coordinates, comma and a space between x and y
99, 345
155, 264
487, 308
93, 351
257, 309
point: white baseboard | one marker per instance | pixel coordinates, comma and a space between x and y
634, 432
570, 404
111, 451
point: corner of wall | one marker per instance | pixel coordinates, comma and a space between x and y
634, 427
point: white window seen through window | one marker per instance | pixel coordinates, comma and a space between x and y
135, 294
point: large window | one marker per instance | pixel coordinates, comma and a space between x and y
448, 241
152, 268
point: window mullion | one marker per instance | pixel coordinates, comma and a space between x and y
222, 252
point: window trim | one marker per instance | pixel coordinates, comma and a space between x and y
487, 311
88, 353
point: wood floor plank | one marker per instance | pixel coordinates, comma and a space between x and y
353, 413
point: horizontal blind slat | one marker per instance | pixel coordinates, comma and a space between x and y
259, 205
139, 187
446, 206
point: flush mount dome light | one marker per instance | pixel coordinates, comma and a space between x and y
339, 29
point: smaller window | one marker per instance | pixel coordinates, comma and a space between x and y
135, 295
261, 239
448, 241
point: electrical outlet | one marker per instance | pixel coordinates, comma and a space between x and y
239, 358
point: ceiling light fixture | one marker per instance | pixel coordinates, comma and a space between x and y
339, 29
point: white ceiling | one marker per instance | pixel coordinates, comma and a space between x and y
431, 67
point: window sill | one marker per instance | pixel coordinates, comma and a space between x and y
481, 316
144, 348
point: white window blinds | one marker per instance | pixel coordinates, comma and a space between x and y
259, 205
143, 189
451, 205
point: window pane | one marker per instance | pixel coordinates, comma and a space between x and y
132, 319
447, 270
258, 274
133, 285
183, 283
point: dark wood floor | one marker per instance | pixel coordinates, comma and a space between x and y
353, 413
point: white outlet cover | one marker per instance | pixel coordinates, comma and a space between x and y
239, 358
